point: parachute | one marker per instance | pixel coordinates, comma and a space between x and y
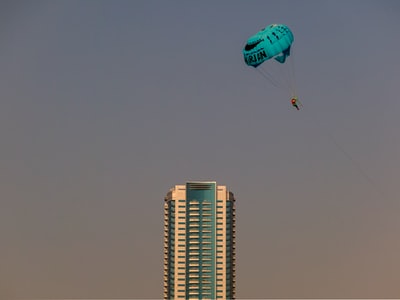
268, 52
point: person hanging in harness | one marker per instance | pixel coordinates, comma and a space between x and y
294, 103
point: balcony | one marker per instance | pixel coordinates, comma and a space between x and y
194, 270
193, 259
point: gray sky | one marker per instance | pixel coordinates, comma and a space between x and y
107, 104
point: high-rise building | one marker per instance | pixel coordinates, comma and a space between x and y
199, 242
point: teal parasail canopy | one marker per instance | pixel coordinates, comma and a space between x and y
273, 41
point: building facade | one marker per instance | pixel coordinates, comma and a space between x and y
199, 242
